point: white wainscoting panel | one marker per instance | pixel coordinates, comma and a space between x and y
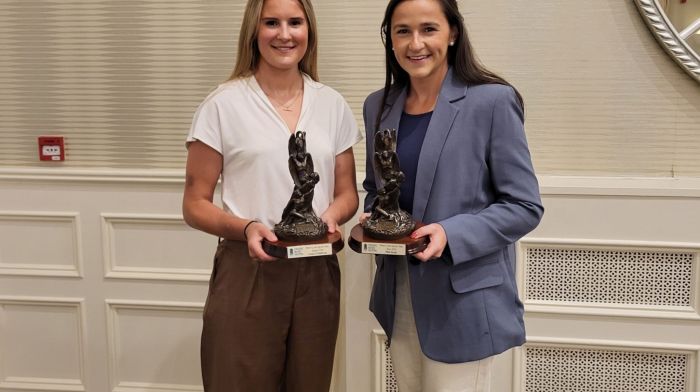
42, 344
150, 246
613, 261
34, 243
123, 234
154, 346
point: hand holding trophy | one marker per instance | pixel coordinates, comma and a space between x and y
301, 232
387, 222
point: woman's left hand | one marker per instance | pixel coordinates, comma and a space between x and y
438, 241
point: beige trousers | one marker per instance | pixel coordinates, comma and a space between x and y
417, 373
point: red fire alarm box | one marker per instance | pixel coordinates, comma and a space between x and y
51, 148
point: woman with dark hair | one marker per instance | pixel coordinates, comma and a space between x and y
269, 325
468, 176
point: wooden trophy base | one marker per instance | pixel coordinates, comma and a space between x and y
362, 243
329, 245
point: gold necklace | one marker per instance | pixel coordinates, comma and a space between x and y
289, 106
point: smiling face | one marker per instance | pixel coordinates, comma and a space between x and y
420, 35
283, 34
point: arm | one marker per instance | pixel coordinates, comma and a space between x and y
345, 198
204, 165
517, 208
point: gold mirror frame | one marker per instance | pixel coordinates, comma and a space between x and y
655, 17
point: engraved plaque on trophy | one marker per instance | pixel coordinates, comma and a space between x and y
301, 233
388, 227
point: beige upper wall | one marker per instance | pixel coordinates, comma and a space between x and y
602, 96
121, 80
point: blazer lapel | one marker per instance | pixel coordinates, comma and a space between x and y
439, 128
392, 119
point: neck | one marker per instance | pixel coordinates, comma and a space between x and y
426, 90
278, 81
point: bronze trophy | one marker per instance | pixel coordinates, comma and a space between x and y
301, 233
388, 226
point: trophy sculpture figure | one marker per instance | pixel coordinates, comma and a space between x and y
299, 222
387, 221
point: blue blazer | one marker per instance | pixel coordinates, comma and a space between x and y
475, 178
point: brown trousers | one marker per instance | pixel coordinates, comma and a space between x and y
269, 327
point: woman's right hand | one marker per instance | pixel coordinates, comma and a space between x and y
255, 233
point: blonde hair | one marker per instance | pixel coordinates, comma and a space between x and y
249, 53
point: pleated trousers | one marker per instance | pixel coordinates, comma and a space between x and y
269, 326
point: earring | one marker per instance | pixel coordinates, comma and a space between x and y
452, 43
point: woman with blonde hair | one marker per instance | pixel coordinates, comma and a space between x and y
269, 325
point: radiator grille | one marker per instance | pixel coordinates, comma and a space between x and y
631, 277
554, 369
388, 378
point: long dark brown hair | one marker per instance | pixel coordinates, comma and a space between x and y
460, 56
